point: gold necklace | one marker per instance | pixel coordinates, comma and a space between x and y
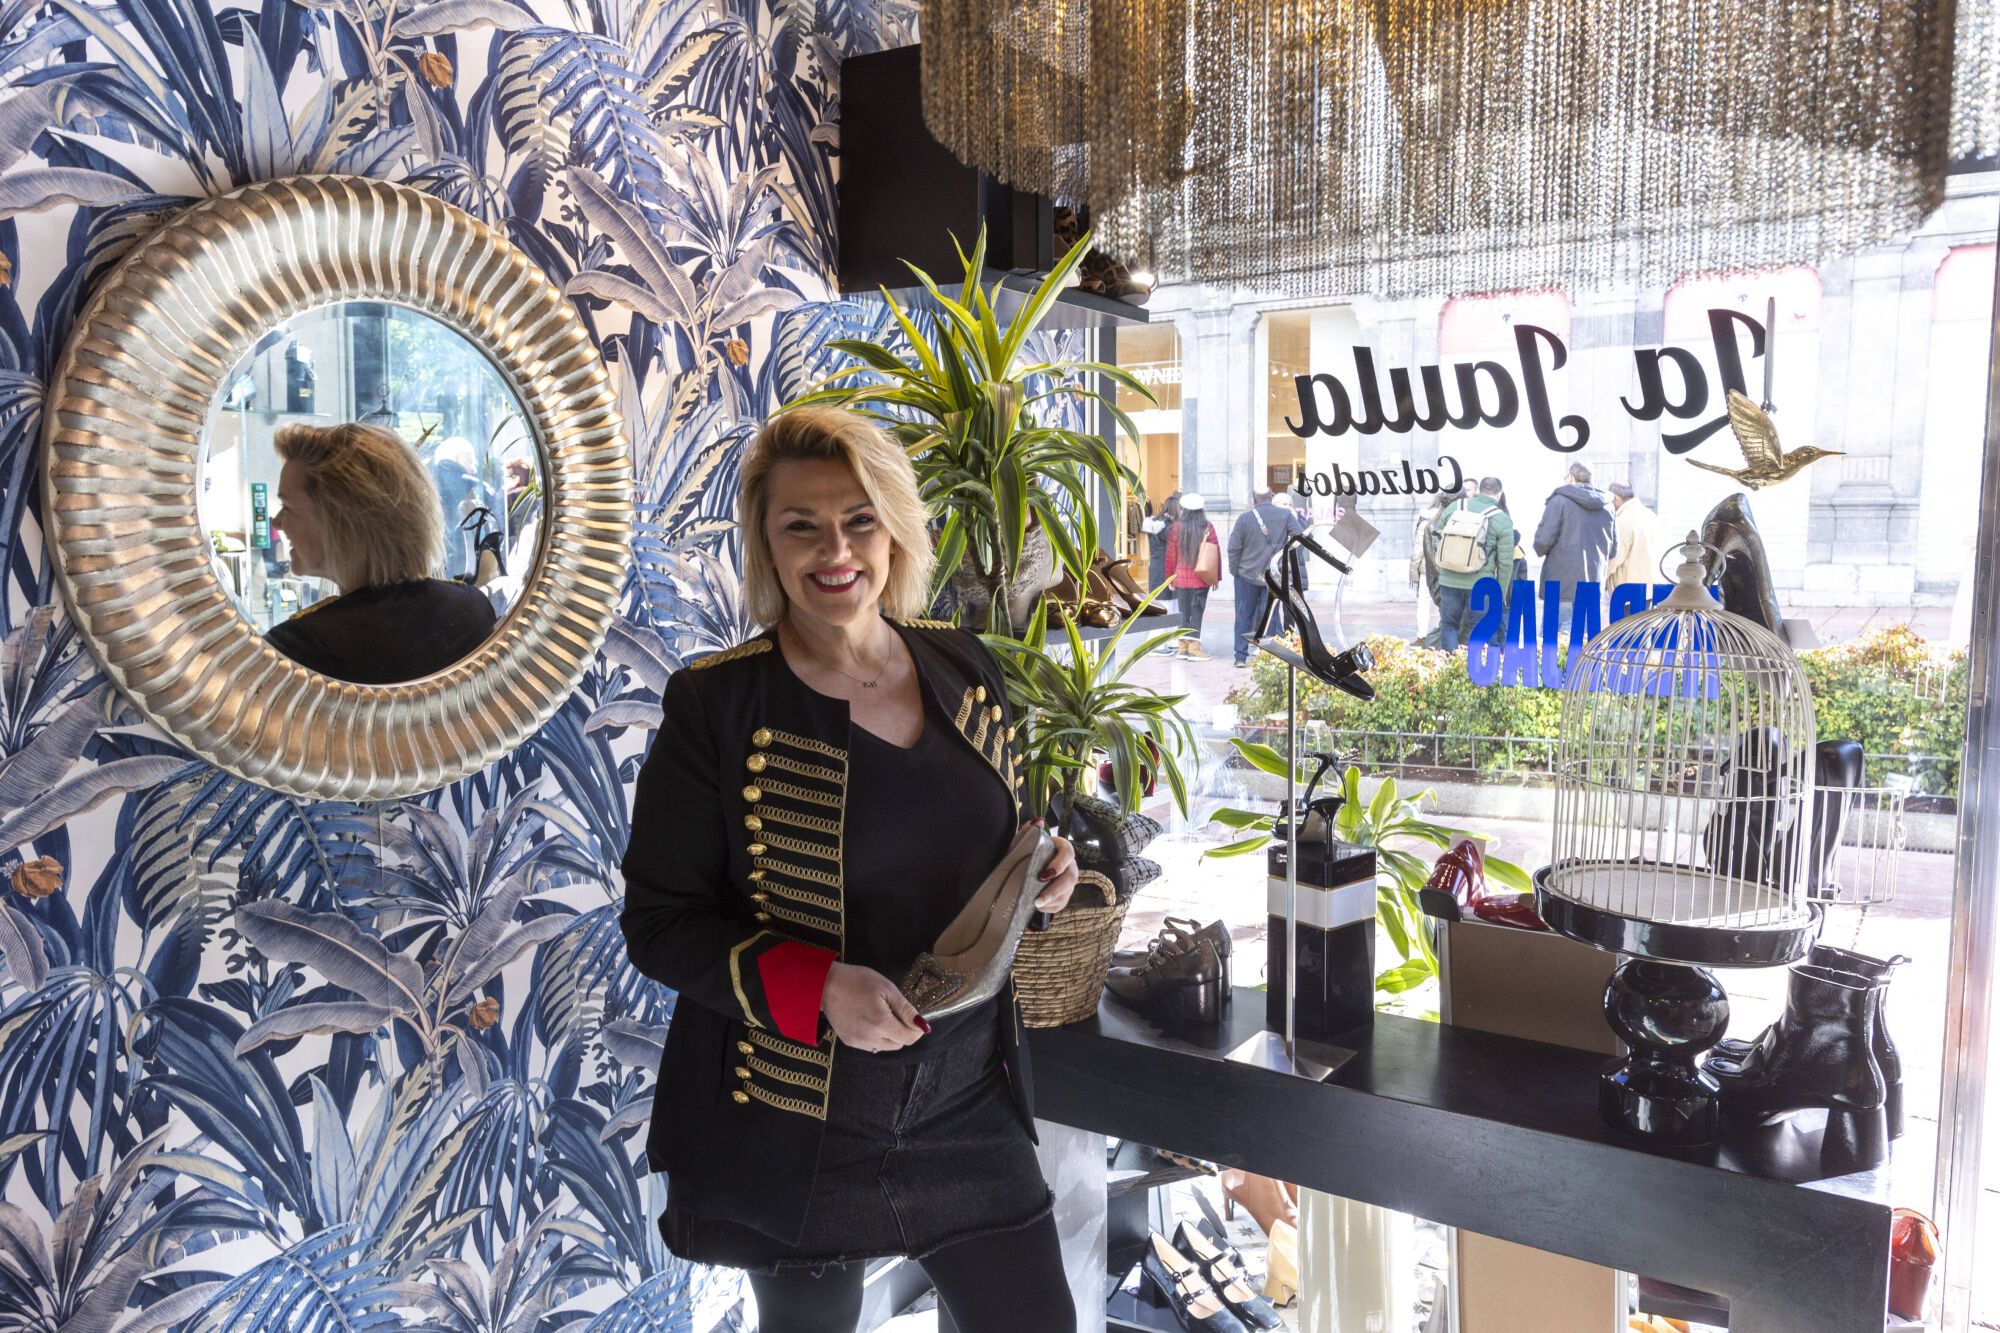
864, 684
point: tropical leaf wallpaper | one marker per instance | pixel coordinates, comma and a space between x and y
266, 1063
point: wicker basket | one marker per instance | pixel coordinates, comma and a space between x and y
1059, 972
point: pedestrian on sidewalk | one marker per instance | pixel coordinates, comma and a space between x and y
1255, 543
1194, 565
1577, 538
1423, 566
1472, 539
1638, 539
1156, 539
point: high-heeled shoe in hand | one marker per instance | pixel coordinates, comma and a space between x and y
1223, 1267
970, 962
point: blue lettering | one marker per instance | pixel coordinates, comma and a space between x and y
1521, 614
1586, 615
1519, 665
1627, 599
1489, 604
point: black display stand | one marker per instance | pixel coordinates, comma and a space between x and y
1499, 1136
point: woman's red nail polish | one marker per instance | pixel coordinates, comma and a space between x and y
924, 1024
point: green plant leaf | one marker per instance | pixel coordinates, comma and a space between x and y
1044, 296
1260, 756
1405, 977
1508, 875
1244, 847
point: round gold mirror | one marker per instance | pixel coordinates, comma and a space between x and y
336, 487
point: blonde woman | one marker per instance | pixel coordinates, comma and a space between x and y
360, 512
819, 803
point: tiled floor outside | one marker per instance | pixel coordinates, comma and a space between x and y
1916, 924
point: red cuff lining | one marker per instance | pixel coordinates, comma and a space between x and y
794, 977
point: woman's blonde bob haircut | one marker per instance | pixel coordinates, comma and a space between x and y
378, 508
885, 474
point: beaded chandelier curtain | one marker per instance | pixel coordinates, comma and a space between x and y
1401, 147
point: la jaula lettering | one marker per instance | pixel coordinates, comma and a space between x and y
1673, 383
1515, 639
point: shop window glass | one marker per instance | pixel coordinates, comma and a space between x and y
1152, 353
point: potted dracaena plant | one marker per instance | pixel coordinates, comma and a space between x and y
1075, 702
1389, 823
977, 415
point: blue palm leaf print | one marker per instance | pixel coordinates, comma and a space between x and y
202, 1068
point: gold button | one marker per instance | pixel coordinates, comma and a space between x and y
760, 897
758, 849
757, 874
763, 916
755, 763
979, 693
745, 1047
761, 737
740, 1096
752, 823
1010, 733
753, 794
741, 1072
995, 712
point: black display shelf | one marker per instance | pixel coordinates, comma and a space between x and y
1499, 1136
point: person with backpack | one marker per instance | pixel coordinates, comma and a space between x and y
1473, 539
1423, 561
1255, 543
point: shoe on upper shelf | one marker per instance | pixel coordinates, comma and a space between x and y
1187, 985
1177, 933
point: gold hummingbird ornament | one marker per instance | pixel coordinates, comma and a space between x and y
1765, 463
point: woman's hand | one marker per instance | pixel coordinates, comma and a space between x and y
867, 1011
1058, 878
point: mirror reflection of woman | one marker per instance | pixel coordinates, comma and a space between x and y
819, 803
360, 512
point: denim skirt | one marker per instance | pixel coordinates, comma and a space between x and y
918, 1154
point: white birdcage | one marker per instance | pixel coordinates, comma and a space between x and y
1858, 838
1684, 786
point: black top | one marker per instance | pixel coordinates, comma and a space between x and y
925, 825
388, 633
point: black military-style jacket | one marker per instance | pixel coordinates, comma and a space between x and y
733, 897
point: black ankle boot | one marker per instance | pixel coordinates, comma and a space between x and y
1861, 970
1820, 1054
1877, 971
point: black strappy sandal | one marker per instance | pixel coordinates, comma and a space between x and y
1340, 670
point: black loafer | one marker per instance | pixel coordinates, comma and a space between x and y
1170, 1280
1223, 1267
